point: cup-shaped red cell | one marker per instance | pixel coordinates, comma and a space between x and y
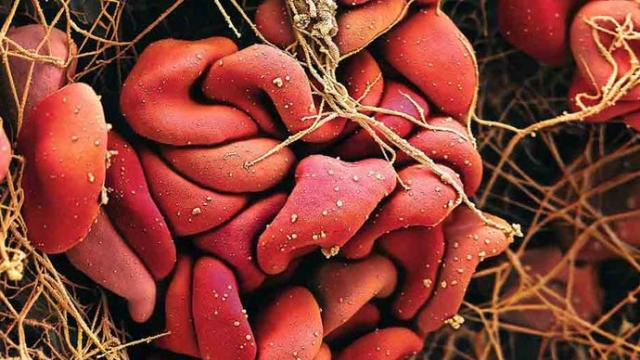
178, 314
468, 241
289, 326
418, 251
188, 208
329, 203
430, 51
133, 211
362, 77
343, 288
362, 322
64, 143
449, 143
388, 343
260, 72
359, 26
539, 28
107, 260
427, 201
222, 168
235, 241
220, 320
158, 98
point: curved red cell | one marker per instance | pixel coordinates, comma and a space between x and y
188, 208
222, 168
589, 60
450, 149
273, 22
430, 51
427, 202
390, 343
361, 25
178, 315
468, 242
64, 143
157, 96
220, 321
133, 211
46, 77
329, 203
362, 322
539, 28
358, 26
235, 241
342, 288
397, 98
257, 72
419, 251
289, 326
107, 260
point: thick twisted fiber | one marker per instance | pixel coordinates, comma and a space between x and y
158, 95
178, 314
428, 49
188, 208
343, 288
222, 168
107, 260
133, 211
589, 57
591, 98
235, 241
538, 27
419, 252
289, 326
220, 320
362, 77
357, 25
392, 343
451, 149
468, 241
397, 97
46, 77
64, 143
426, 202
259, 77
329, 203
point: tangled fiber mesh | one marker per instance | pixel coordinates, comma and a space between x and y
564, 181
